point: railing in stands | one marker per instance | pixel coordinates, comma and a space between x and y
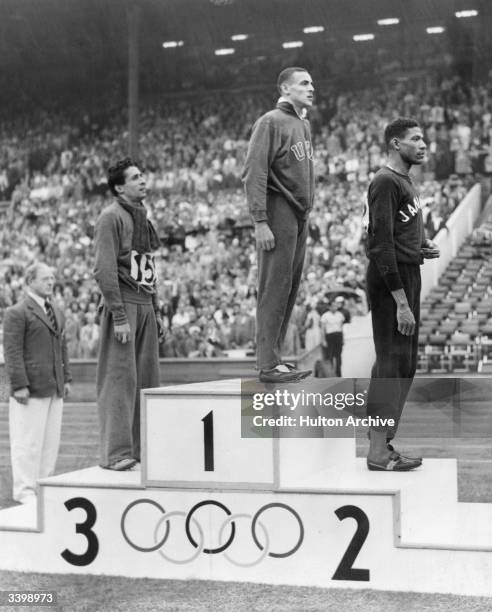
458, 227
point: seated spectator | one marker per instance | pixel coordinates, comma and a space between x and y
52, 169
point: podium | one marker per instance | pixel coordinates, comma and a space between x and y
204, 442
211, 503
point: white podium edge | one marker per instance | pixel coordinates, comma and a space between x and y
398, 542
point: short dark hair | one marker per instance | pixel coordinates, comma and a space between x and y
398, 128
116, 173
286, 74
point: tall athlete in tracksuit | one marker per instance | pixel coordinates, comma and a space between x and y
128, 357
396, 249
279, 183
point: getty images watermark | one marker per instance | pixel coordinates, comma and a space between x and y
313, 408
284, 399
336, 407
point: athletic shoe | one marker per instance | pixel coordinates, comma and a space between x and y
391, 448
279, 374
121, 465
301, 374
396, 463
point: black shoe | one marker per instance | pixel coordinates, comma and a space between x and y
301, 374
391, 448
280, 373
121, 465
395, 463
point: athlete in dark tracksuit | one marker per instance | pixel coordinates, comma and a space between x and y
279, 184
396, 236
127, 362
396, 247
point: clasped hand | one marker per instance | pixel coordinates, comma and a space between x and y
430, 250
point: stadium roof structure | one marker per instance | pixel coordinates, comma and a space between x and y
68, 41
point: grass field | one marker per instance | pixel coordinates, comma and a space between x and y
79, 450
107, 594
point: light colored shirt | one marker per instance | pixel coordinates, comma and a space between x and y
39, 300
332, 322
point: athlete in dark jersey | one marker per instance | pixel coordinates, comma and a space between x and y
128, 358
396, 248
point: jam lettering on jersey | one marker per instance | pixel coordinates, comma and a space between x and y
412, 210
302, 150
142, 269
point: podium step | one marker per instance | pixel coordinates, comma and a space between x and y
97, 477
23, 517
90, 524
463, 526
210, 504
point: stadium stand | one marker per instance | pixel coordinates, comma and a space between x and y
52, 173
456, 322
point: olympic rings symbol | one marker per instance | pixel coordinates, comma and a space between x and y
229, 525
210, 551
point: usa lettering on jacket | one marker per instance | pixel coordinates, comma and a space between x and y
412, 210
302, 150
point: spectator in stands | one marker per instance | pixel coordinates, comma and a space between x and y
312, 328
72, 330
58, 194
89, 337
242, 331
332, 322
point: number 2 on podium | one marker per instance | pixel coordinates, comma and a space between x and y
208, 441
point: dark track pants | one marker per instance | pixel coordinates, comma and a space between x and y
279, 277
333, 351
396, 354
122, 371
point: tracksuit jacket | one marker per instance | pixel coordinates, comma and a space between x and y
280, 160
396, 229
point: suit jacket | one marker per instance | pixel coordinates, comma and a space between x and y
35, 354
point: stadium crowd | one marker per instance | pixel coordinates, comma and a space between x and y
52, 176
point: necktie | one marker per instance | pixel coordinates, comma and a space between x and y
51, 314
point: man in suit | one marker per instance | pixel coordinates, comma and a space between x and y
37, 365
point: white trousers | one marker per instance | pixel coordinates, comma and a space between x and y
34, 441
